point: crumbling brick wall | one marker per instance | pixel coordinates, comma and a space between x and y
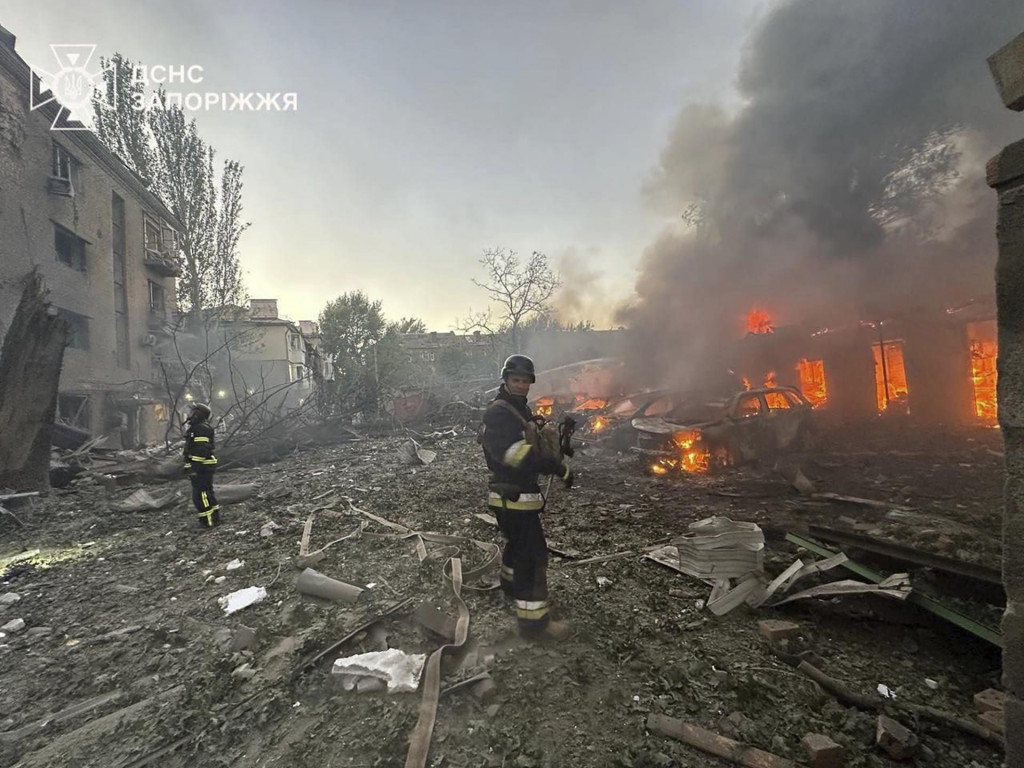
1006, 174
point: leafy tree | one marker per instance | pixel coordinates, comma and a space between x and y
410, 325
369, 359
171, 158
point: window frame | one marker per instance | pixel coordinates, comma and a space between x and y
82, 243
78, 328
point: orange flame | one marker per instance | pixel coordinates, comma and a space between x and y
759, 321
892, 371
584, 403
812, 381
984, 376
544, 406
692, 455
769, 379
599, 423
746, 383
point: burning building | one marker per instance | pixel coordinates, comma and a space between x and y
934, 366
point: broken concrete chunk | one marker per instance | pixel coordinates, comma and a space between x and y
370, 684
401, 671
989, 700
898, 742
9, 598
245, 672
774, 630
13, 626
434, 620
243, 638
483, 690
994, 720
268, 529
821, 751
243, 598
234, 565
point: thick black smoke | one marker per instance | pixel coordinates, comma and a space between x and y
849, 182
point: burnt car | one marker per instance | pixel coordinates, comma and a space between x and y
611, 424
700, 433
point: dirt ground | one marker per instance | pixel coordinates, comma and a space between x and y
125, 658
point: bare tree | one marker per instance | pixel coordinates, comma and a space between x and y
520, 291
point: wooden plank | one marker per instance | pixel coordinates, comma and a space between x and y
713, 744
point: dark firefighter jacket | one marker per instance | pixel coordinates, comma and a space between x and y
513, 462
198, 453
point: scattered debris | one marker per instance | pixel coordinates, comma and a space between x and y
924, 601
234, 494
13, 627
714, 744
412, 454
990, 700
774, 630
315, 584
9, 598
821, 751
399, 670
243, 598
243, 638
604, 581
142, 501
885, 691
268, 529
438, 622
234, 565
896, 740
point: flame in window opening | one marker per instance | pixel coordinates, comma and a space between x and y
891, 387
812, 381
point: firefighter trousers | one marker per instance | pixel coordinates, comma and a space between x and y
524, 566
204, 500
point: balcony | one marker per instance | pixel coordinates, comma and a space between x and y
161, 263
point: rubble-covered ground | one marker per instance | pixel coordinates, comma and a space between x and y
125, 658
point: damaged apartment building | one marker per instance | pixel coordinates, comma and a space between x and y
935, 366
105, 247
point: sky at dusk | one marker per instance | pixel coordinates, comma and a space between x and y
428, 131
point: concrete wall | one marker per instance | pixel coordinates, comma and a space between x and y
1006, 174
28, 213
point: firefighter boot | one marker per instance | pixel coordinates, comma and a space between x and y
553, 632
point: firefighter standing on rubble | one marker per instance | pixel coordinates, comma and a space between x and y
200, 463
515, 497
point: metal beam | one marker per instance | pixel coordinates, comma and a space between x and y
929, 604
908, 554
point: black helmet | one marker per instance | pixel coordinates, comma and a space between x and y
520, 364
200, 411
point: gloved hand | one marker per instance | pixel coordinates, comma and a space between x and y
568, 477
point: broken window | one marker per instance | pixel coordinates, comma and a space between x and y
152, 237
62, 163
776, 401
78, 328
156, 298
890, 376
812, 381
984, 351
73, 410
70, 248
748, 406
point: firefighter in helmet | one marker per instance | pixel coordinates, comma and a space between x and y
516, 500
200, 463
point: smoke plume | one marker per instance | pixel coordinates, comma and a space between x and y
849, 183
